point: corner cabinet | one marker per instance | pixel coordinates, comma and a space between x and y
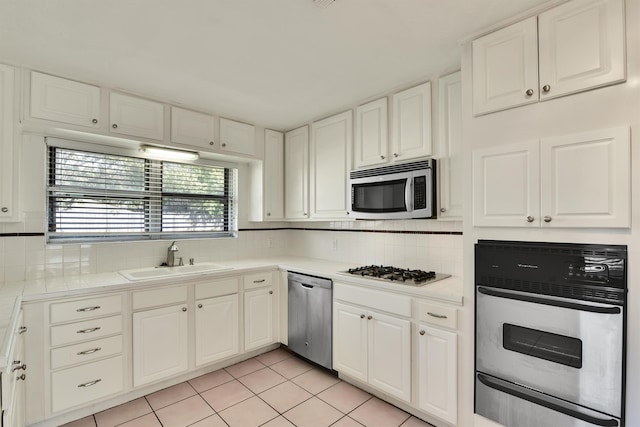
12, 378
547, 183
330, 163
570, 48
8, 149
450, 165
412, 123
296, 165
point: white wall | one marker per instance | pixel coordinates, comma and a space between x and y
613, 106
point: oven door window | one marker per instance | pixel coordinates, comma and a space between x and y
544, 345
379, 197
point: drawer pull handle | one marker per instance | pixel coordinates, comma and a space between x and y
437, 316
17, 368
93, 350
21, 377
89, 330
90, 383
258, 281
95, 307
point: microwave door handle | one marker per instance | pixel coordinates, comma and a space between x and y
408, 194
529, 396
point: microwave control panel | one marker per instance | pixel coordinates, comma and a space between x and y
420, 192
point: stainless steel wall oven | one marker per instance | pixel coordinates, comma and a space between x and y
550, 333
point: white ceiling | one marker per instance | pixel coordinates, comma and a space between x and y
276, 63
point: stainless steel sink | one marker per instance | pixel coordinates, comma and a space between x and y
161, 272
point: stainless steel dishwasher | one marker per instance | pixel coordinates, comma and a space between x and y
310, 318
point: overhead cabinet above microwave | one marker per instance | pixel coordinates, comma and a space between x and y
573, 47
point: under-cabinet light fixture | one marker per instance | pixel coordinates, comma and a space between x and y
168, 153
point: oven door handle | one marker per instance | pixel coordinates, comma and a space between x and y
553, 302
528, 396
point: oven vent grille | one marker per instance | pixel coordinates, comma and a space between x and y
399, 168
609, 251
586, 293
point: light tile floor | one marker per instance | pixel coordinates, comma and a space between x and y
275, 389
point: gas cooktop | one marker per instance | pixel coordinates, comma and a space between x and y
403, 276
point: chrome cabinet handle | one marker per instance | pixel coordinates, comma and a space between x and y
95, 307
4, 209
184, 308
199, 305
362, 316
89, 330
115, 126
546, 88
530, 218
395, 154
90, 383
94, 121
443, 210
270, 292
223, 144
21, 377
22, 330
93, 350
547, 218
258, 281
210, 142
19, 366
268, 213
381, 157
437, 316
529, 92
422, 332
369, 317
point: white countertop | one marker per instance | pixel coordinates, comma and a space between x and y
12, 294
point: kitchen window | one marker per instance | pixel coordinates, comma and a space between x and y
113, 194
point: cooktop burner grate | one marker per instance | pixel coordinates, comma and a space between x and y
394, 274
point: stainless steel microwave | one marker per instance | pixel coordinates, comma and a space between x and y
398, 191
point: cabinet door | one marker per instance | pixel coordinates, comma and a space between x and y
330, 162
66, 101
505, 68
437, 373
192, 128
273, 175
159, 343
371, 146
237, 138
216, 329
296, 166
412, 123
389, 354
258, 318
450, 164
506, 185
350, 341
582, 45
8, 193
586, 179
134, 116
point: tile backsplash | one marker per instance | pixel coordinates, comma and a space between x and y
430, 245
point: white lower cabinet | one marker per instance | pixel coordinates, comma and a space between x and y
12, 379
437, 372
373, 347
216, 328
258, 317
159, 343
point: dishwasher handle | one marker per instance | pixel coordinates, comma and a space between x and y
304, 285
309, 281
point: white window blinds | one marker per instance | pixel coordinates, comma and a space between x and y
98, 196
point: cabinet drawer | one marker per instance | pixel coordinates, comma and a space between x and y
438, 315
81, 331
82, 384
85, 352
85, 309
258, 280
216, 288
384, 301
159, 297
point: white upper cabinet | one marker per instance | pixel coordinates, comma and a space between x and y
192, 128
412, 123
133, 116
237, 138
579, 180
65, 101
330, 161
296, 163
273, 175
8, 194
576, 46
582, 45
371, 146
450, 137
505, 68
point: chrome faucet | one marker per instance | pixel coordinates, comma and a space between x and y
171, 252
